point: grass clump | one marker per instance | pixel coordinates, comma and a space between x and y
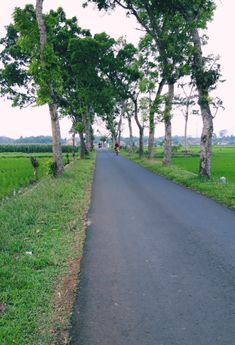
42, 231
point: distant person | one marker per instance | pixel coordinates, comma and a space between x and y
116, 148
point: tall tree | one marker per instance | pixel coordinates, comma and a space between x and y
30, 72
196, 15
150, 84
118, 67
190, 16
165, 30
186, 100
53, 108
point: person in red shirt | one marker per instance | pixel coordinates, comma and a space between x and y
116, 148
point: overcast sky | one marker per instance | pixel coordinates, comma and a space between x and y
36, 120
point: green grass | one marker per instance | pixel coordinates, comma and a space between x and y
184, 171
16, 170
44, 221
222, 163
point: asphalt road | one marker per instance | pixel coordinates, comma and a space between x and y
159, 263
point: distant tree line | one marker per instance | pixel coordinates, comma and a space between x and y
30, 140
179, 141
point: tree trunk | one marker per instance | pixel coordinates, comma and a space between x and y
119, 131
88, 139
74, 146
87, 121
41, 27
131, 142
153, 109
206, 142
35, 172
114, 140
83, 148
203, 91
56, 137
141, 129
91, 138
167, 121
151, 135
186, 130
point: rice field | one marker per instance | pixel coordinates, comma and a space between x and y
222, 163
16, 171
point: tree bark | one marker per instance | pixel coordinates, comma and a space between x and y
88, 139
74, 147
55, 126
151, 134
141, 129
207, 130
167, 122
119, 131
56, 139
131, 142
153, 109
114, 139
186, 130
41, 27
83, 148
92, 138
89, 132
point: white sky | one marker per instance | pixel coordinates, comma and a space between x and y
36, 120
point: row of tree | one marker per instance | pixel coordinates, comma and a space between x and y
49, 59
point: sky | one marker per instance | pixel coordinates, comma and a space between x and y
33, 121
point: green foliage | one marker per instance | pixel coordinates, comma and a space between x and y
176, 148
52, 169
34, 162
207, 78
79, 127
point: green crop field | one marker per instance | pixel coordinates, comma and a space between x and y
222, 163
16, 170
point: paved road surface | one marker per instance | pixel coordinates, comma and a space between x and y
159, 263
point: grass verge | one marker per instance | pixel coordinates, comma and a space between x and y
42, 234
224, 194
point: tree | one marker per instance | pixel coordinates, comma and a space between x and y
46, 83
186, 102
223, 133
165, 30
119, 70
196, 14
150, 84
31, 69
159, 17
73, 132
128, 115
